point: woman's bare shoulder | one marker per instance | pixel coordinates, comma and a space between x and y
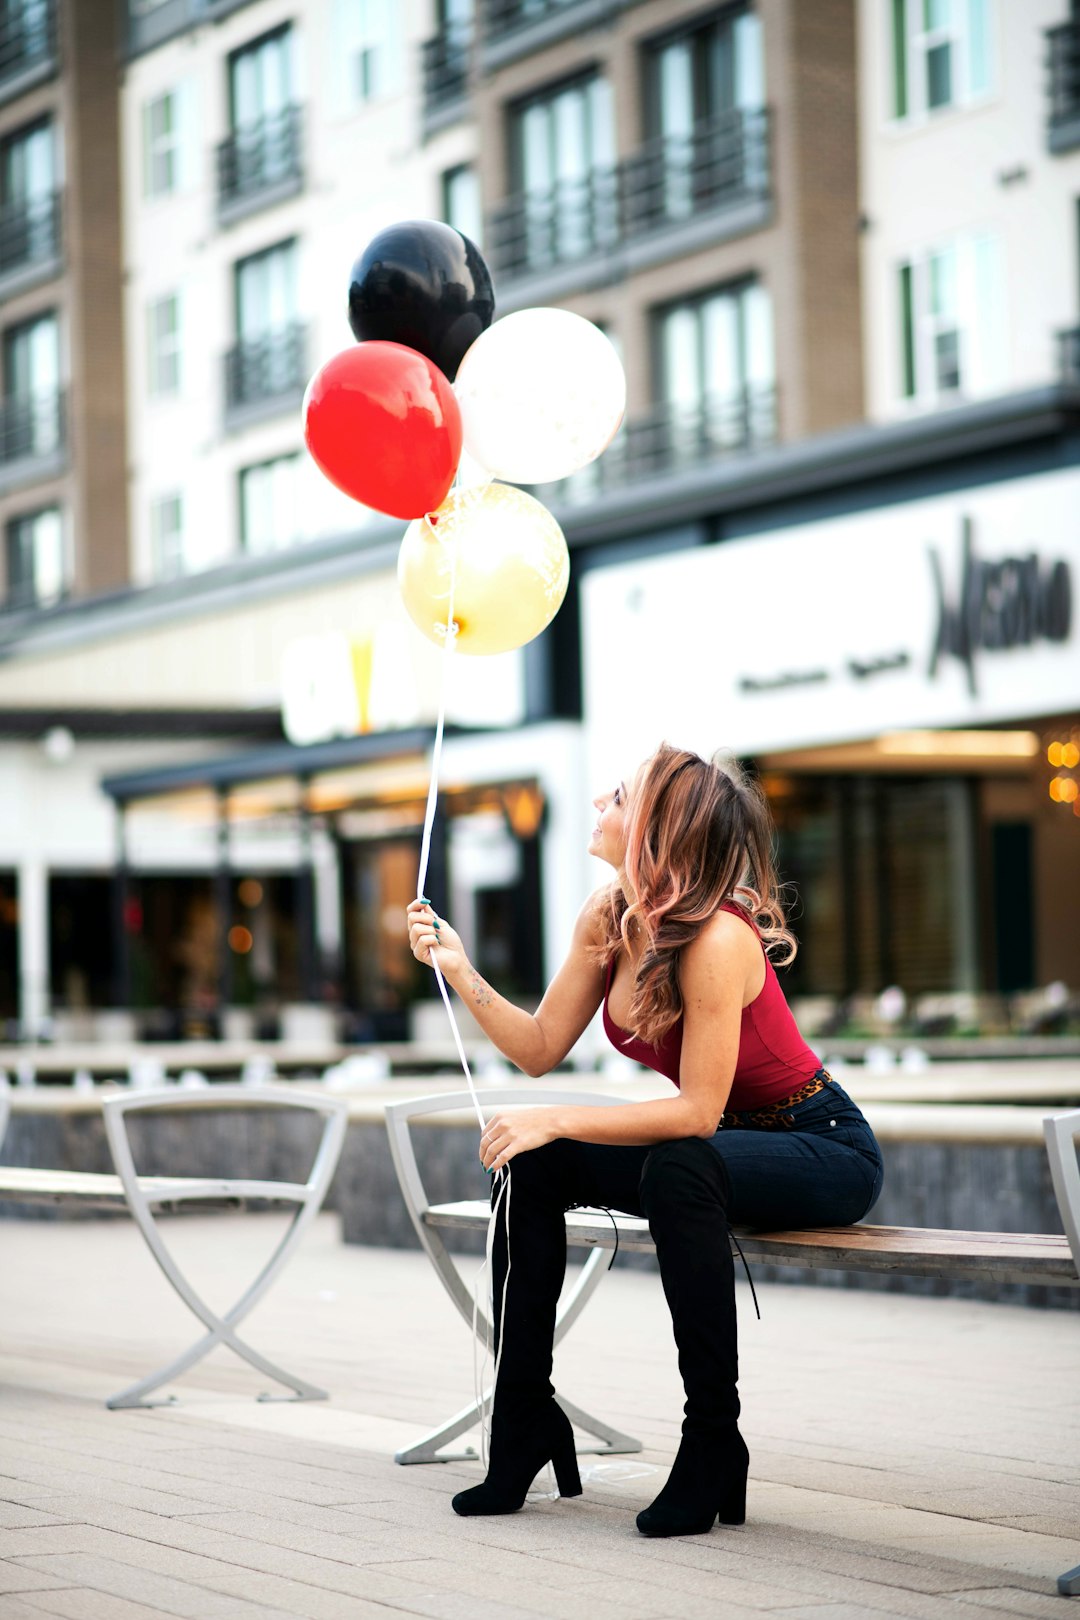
589, 919
723, 941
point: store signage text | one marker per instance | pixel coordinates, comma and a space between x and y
1012, 602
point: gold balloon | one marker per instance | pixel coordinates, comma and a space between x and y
508, 561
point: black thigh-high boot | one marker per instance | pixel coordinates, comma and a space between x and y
685, 1191
528, 1427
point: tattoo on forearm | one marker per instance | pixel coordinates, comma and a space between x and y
482, 993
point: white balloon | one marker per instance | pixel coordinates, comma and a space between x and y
542, 393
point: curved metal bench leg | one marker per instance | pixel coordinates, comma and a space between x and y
221, 1327
570, 1308
428, 1450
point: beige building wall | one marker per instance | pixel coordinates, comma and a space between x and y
807, 256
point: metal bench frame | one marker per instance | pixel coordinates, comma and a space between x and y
142, 1195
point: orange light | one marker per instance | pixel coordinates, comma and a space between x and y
1070, 790
1055, 789
250, 892
240, 940
1053, 754
1070, 756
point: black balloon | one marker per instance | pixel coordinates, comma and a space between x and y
423, 284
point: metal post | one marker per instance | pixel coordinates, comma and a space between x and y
305, 901
223, 895
121, 897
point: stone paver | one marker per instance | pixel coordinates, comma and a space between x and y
912, 1457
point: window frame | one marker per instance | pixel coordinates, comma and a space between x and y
11, 528
914, 80
291, 457
158, 353
158, 147
173, 565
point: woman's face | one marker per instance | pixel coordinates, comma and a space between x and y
608, 841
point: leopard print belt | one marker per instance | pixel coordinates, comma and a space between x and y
775, 1116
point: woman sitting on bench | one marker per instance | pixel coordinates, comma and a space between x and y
678, 950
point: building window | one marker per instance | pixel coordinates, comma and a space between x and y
941, 54
260, 80
369, 32
715, 371
563, 157
461, 201
32, 419
167, 536
949, 309
268, 359
163, 345
29, 217
161, 155
262, 153
36, 576
269, 514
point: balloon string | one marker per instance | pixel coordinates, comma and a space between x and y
429, 822
502, 1200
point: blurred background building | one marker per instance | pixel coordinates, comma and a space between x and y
838, 247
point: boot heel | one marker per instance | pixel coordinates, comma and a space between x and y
732, 1509
565, 1464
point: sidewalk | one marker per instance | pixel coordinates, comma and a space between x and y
910, 1456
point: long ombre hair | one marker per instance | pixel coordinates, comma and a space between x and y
699, 835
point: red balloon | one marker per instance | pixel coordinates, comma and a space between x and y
382, 423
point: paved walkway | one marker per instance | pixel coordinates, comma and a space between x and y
911, 1456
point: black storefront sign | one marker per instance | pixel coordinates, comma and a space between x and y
1012, 602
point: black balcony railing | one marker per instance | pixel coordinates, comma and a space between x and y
670, 181
31, 426
671, 438
29, 233
1069, 355
260, 370
503, 17
445, 66
260, 161
27, 38
720, 161
571, 220
1063, 45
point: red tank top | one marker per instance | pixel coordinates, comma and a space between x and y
773, 1060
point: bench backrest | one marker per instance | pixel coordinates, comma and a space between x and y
1062, 1131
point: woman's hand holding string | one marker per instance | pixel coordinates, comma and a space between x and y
517, 1131
429, 933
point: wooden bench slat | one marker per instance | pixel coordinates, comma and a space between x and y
923, 1251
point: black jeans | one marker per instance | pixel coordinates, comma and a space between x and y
824, 1169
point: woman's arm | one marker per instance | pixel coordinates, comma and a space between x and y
535, 1042
716, 971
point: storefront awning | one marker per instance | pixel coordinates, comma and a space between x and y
224, 772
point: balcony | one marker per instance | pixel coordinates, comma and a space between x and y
512, 29
674, 438
445, 75
29, 243
28, 51
674, 196
1063, 60
265, 376
32, 435
260, 164
150, 25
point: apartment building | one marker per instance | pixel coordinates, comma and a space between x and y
836, 246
